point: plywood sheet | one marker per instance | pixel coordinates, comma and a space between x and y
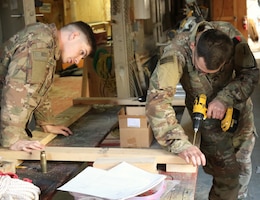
91, 128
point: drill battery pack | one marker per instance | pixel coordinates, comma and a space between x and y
230, 121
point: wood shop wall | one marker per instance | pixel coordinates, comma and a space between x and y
130, 34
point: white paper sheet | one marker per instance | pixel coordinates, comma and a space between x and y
121, 182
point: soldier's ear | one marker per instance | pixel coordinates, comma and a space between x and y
73, 35
192, 45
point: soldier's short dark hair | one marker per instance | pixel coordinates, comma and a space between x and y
88, 32
215, 47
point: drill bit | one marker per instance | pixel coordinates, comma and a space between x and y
195, 135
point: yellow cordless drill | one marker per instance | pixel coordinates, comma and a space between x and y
228, 123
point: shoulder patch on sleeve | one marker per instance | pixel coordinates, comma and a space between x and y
166, 59
169, 72
40, 55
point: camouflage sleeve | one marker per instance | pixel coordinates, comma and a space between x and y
41, 73
43, 114
246, 77
22, 90
160, 113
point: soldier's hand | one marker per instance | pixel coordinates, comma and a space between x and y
193, 155
57, 130
26, 145
216, 110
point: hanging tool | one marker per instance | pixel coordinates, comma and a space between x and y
228, 124
193, 15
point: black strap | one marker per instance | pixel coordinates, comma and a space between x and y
28, 131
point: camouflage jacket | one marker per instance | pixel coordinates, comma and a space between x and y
233, 85
27, 67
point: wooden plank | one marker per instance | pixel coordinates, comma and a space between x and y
71, 115
84, 154
146, 163
43, 137
181, 168
177, 101
106, 100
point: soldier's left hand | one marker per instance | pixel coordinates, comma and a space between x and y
193, 155
26, 145
63, 130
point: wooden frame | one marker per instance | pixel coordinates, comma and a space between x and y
105, 158
86, 154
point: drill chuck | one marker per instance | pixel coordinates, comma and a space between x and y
197, 118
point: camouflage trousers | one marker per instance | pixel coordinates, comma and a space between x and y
228, 160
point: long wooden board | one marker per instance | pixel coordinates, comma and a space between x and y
84, 154
177, 101
89, 154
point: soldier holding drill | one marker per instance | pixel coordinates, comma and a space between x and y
214, 59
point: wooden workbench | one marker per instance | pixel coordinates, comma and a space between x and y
60, 172
66, 162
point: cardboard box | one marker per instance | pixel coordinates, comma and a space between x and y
134, 128
134, 110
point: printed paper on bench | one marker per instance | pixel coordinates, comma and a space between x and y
120, 182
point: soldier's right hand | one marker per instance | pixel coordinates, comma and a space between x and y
26, 145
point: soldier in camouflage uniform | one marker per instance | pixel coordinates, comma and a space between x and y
27, 68
214, 59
